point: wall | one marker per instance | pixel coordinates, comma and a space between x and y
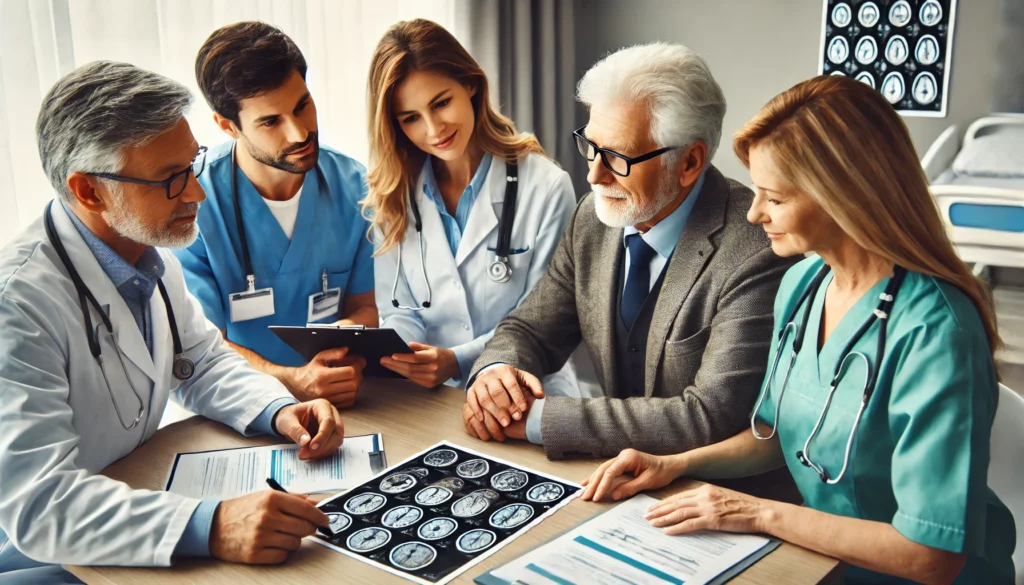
758, 48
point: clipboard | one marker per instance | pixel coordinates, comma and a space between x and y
369, 343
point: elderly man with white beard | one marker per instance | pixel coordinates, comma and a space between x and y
659, 274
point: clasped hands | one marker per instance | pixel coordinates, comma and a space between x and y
498, 402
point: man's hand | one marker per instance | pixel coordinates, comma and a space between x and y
490, 429
502, 391
429, 366
332, 375
315, 426
262, 528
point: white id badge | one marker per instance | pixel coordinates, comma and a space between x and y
324, 304
249, 305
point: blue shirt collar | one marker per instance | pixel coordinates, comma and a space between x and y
146, 271
433, 191
664, 236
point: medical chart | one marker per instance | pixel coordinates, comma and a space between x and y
901, 48
231, 473
440, 512
620, 547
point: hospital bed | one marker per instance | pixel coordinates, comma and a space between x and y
979, 188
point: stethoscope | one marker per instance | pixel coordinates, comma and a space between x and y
250, 274
881, 314
183, 368
499, 270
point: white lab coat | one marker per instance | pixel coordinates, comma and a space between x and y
466, 305
58, 426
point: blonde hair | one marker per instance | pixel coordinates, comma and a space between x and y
839, 141
395, 163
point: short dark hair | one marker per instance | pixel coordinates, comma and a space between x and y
243, 60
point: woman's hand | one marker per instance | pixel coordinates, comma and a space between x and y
429, 366
649, 472
708, 507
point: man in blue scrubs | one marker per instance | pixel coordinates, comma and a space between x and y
282, 239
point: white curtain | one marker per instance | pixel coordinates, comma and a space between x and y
41, 40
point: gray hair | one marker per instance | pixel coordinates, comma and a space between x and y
685, 101
90, 116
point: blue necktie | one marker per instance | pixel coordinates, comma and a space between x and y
638, 279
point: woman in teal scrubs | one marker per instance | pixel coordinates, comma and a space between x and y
892, 464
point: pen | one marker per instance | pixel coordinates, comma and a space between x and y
274, 485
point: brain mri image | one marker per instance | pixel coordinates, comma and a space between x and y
867, 50
401, 516
339, 522
473, 504
931, 13
475, 541
412, 556
509, 480
546, 492
511, 516
433, 495
437, 528
441, 458
842, 15
368, 539
927, 51
897, 50
838, 50
868, 14
893, 88
925, 88
900, 14
365, 503
453, 483
397, 483
866, 78
435, 514
473, 468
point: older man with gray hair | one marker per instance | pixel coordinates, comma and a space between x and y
89, 354
659, 274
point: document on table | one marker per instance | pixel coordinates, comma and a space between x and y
230, 473
620, 547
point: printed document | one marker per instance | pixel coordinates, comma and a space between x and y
231, 473
621, 547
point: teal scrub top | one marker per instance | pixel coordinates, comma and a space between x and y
330, 234
920, 456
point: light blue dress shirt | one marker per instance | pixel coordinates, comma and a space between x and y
663, 237
136, 284
454, 226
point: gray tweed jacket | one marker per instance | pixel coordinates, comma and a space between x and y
707, 350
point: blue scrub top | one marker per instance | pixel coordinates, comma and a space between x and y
330, 233
920, 457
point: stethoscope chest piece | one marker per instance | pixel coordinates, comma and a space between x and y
183, 368
499, 270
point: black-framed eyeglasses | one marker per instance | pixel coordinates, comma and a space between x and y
175, 184
615, 162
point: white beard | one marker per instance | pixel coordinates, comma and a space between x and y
124, 220
616, 208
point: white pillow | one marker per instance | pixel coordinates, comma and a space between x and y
997, 154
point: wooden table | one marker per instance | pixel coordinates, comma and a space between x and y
411, 419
